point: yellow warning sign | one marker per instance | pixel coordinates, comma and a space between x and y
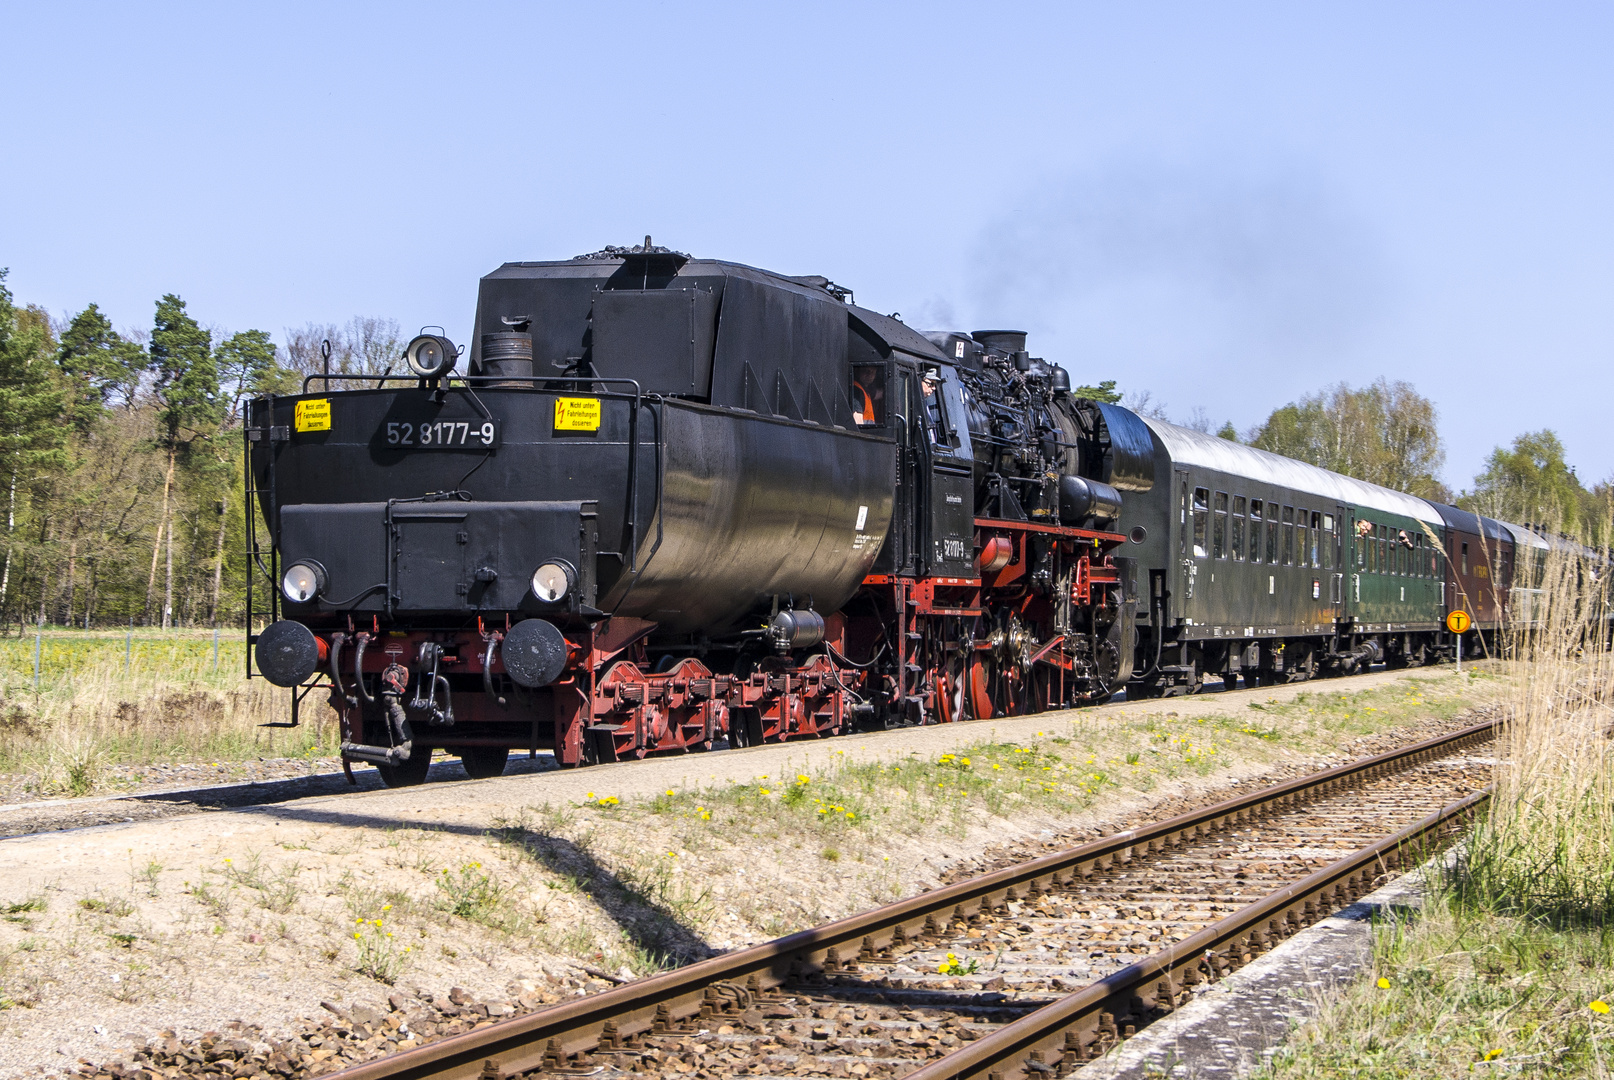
577, 414
313, 415
1458, 621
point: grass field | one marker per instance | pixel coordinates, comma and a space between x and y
1510, 969
105, 698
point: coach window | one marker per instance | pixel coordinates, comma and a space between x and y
1238, 528
1302, 539
1182, 515
1328, 541
1272, 535
1255, 530
1465, 559
1201, 511
1219, 527
1288, 536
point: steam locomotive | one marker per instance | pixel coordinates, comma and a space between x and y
673, 501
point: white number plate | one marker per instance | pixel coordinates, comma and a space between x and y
441, 434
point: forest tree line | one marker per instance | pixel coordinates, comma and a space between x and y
120, 456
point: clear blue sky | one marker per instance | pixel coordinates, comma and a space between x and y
1226, 204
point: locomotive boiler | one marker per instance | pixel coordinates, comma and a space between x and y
672, 501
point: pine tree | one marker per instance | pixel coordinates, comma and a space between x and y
190, 408
248, 360
31, 436
99, 365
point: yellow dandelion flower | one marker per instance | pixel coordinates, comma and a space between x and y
765, 791
1492, 1055
669, 791
1384, 984
800, 779
1599, 1007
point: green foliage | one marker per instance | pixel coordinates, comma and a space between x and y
1104, 391
472, 893
1228, 432
1386, 434
248, 361
187, 376
31, 400
1531, 483
380, 957
97, 364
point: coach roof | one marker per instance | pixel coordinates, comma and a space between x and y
1189, 447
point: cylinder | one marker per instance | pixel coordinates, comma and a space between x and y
995, 555
1081, 498
507, 357
796, 630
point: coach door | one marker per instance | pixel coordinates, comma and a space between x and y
1336, 547
1190, 541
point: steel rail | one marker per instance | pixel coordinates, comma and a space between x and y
553, 1035
1061, 1036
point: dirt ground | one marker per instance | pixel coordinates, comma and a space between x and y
113, 934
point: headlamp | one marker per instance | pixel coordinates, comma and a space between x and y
303, 581
552, 581
430, 356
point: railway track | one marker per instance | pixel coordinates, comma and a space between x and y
1028, 970
56, 815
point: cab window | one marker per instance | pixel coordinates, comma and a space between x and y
868, 395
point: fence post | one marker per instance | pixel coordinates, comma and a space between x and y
215, 650
128, 644
39, 636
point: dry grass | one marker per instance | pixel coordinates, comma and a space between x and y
1510, 971
103, 699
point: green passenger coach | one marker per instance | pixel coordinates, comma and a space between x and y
1275, 569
